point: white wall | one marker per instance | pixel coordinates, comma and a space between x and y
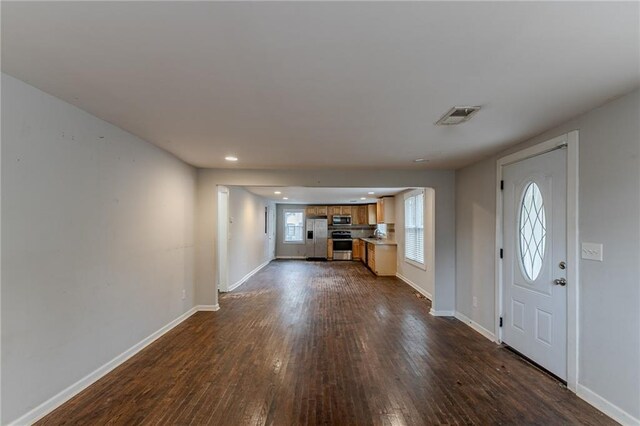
97, 244
248, 244
609, 303
442, 181
287, 250
475, 241
423, 278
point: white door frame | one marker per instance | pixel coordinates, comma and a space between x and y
222, 234
570, 140
271, 228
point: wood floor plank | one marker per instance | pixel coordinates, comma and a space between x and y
324, 343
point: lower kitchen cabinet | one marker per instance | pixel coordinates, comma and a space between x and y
356, 249
381, 259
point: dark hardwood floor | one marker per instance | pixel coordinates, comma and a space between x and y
324, 343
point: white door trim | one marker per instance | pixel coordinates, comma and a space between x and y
222, 241
573, 253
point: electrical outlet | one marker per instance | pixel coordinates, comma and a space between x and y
475, 302
184, 294
592, 251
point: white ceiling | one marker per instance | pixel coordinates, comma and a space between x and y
304, 195
326, 84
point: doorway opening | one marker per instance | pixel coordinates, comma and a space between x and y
390, 231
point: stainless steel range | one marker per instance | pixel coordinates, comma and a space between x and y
342, 245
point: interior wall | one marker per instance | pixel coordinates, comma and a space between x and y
475, 242
287, 250
97, 244
609, 212
248, 243
423, 278
442, 181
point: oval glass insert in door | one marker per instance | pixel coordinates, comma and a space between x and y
533, 231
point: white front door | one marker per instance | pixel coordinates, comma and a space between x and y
533, 267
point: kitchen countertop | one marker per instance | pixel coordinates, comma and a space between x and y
383, 242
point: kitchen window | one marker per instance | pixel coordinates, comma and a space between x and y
293, 226
414, 228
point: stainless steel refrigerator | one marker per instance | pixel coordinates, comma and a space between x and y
317, 238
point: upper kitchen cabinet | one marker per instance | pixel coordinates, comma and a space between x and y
359, 215
362, 215
386, 210
312, 211
372, 217
346, 211
333, 210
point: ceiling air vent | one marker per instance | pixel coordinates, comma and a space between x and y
457, 115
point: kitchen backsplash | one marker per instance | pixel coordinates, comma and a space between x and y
364, 231
388, 230
357, 231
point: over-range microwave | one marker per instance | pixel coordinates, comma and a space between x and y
341, 220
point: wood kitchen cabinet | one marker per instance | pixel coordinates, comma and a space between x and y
356, 250
386, 210
312, 211
354, 215
333, 210
362, 215
372, 217
371, 256
329, 249
358, 216
381, 259
345, 210
363, 247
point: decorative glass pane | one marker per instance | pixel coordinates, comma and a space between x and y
533, 231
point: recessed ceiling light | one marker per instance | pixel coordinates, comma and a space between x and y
370, 192
363, 198
419, 160
277, 192
284, 198
231, 158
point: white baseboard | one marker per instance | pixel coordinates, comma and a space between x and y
246, 277
477, 327
611, 410
415, 286
214, 308
290, 257
442, 313
60, 398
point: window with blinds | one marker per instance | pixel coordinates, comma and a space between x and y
414, 227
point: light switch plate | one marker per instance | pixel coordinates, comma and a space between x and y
592, 251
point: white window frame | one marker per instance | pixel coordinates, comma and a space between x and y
413, 262
284, 225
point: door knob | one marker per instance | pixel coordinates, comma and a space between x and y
560, 281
